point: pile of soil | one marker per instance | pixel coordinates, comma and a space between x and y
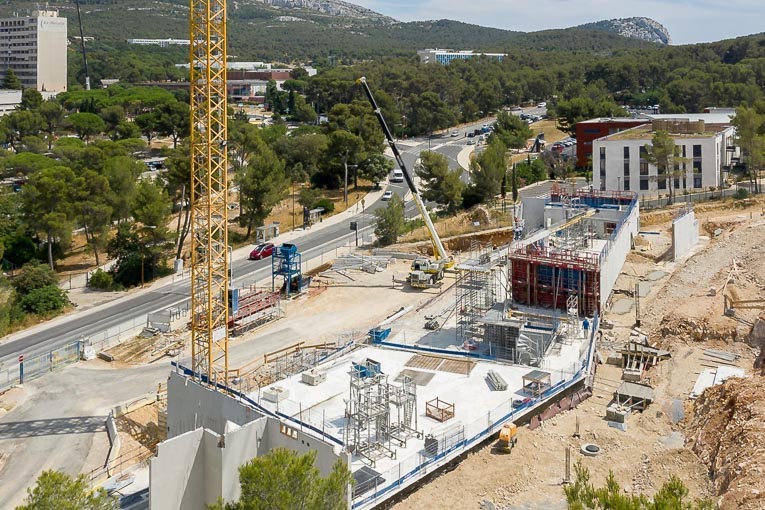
728, 434
675, 327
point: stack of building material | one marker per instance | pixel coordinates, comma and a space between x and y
367, 263
496, 381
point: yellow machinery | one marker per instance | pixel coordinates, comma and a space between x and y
508, 436
209, 241
425, 272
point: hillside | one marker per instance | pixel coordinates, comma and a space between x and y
644, 29
312, 30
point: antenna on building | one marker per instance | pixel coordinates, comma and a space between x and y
82, 42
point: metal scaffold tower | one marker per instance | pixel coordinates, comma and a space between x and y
367, 413
209, 244
476, 292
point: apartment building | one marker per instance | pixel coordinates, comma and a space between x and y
35, 48
704, 150
443, 57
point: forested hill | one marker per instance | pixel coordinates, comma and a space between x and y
258, 31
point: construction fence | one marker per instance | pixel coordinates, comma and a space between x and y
679, 198
39, 364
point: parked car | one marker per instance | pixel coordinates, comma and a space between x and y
387, 195
261, 251
454, 133
470, 134
471, 142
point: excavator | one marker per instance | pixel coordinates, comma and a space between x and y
424, 272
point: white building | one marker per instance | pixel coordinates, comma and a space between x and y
437, 56
9, 101
35, 48
162, 43
619, 162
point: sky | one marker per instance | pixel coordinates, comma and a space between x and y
688, 21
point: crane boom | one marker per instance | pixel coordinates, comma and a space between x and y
439, 253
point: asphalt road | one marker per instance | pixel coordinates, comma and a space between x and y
311, 244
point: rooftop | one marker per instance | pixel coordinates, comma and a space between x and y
646, 132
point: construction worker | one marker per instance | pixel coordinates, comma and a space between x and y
586, 326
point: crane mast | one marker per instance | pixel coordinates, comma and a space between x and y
209, 189
439, 253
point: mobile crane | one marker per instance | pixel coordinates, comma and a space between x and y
424, 272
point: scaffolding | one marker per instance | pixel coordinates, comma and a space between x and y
367, 413
476, 293
370, 426
546, 277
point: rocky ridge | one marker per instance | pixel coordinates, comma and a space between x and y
644, 29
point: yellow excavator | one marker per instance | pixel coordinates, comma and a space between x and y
508, 437
424, 272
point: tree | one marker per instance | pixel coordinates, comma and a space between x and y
11, 81
94, 212
568, 113
390, 221
748, 123
375, 168
20, 124
122, 172
488, 169
59, 491
48, 204
262, 184
178, 179
113, 116
173, 120
286, 480
34, 275
31, 99
53, 115
148, 124
86, 125
512, 130
662, 153
441, 185
151, 206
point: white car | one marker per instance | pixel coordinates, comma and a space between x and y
387, 195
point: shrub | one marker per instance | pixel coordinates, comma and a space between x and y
101, 280
34, 275
742, 193
327, 204
44, 300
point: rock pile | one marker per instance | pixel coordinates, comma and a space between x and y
687, 328
728, 434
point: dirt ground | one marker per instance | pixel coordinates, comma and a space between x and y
681, 313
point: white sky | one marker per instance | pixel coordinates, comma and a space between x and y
688, 21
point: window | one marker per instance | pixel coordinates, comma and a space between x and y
603, 162
662, 183
697, 151
626, 184
643, 163
288, 431
626, 153
626, 169
643, 183
696, 181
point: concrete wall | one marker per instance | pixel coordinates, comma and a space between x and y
191, 405
210, 435
533, 212
611, 266
176, 473
685, 234
326, 455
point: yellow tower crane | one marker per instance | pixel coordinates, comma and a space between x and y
209, 189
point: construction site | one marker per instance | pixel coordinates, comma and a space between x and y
583, 334
406, 397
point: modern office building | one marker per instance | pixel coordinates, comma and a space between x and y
589, 130
705, 151
35, 48
431, 56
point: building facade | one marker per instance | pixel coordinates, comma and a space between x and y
620, 163
589, 130
35, 48
445, 56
